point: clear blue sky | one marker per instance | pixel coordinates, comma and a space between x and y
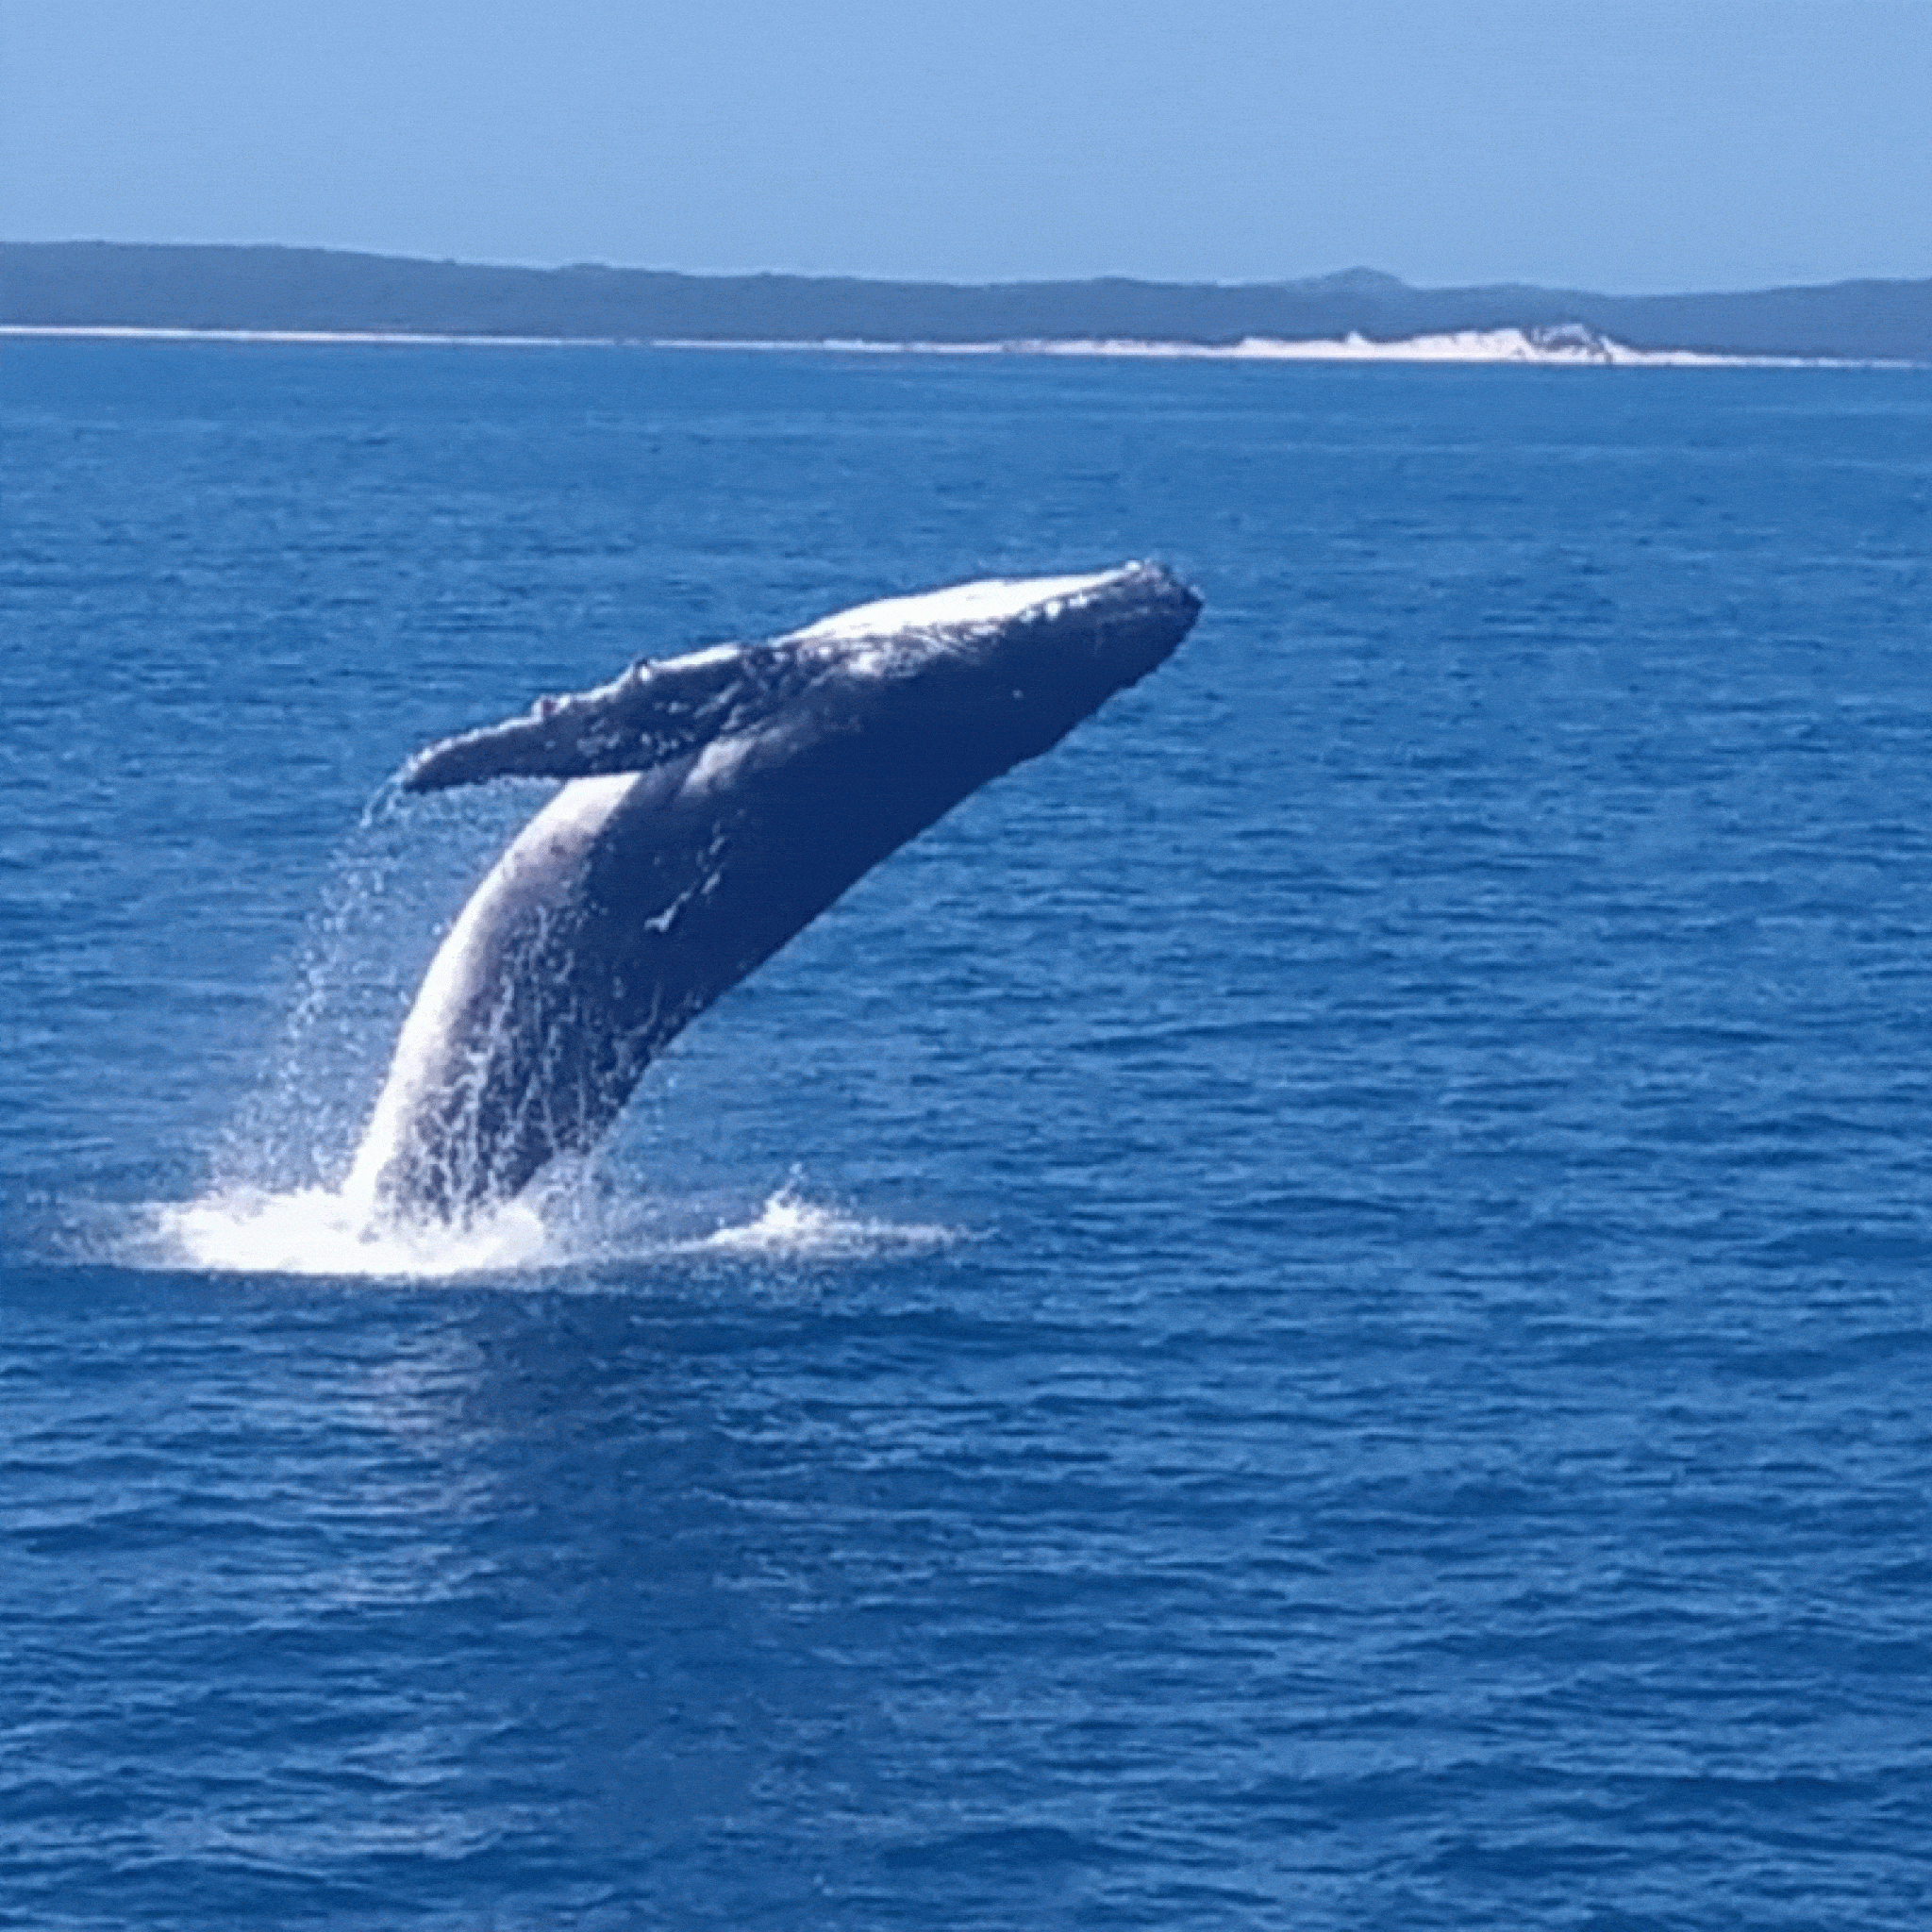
1625, 144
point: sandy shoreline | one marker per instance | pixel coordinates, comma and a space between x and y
1570, 346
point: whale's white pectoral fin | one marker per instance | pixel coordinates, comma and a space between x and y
651, 713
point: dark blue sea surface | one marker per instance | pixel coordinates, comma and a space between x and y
1310, 1314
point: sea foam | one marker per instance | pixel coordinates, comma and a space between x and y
315, 1232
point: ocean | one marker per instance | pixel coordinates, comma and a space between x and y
1309, 1314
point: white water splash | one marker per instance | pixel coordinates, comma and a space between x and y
315, 1232
790, 1228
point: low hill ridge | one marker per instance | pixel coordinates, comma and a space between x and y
139, 285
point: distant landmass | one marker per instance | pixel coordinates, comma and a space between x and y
121, 285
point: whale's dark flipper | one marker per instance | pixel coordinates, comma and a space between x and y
718, 802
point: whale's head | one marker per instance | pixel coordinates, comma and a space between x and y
1021, 658
1013, 662
1105, 630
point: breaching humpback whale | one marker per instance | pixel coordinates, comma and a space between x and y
718, 801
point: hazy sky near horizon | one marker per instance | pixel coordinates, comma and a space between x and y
1622, 146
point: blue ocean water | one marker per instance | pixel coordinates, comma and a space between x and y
1309, 1314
